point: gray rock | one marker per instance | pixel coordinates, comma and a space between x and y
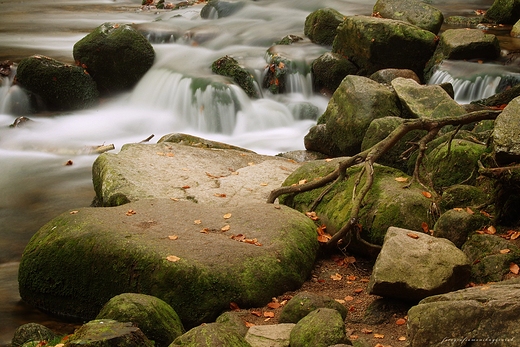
156, 319
386, 76
32, 332
232, 320
276, 335
304, 303
480, 316
371, 43
211, 335
60, 86
109, 333
456, 224
320, 328
515, 31
328, 71
320, 26
177, 251
506, 134
415, 12
413, 265
115, 55
383, 310
220, 9
425, 101
202, 174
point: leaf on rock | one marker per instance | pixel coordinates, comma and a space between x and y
402, 338
300, 182
173, 258
186, 187
401, 179
130, 212
173, 237
256, 313
366, 331
412, 235
490, 230
74, 212
227, 216
220, 195
379, 336
400, 321
515, 235
234, 306
249, 325
336, 277
312, 215
505, 251
514, 268
197, 221
427, 194
225, 228
274, 305
269, 314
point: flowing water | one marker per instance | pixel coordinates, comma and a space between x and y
35, 183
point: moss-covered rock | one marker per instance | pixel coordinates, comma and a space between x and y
462, 196
304, 303
503, 12
220, 9
115, 55
228, 66
108, 333
415, 12
370, 42
387, 203
156, 319
60, 86
211, 335
329, 70
320, 26
77, 262
320, 328
32, 332
455, 225
232, 320
506, 134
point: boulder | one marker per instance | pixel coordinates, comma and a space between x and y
304, 303
515, 30
198, 258
412, 266
490, 256
480, 316
156, 319
503, 12
228, 66
506, 134
274, 335
232, 320
108, 333
320, 26
318, 140
32, 332
320, 328
425, 101
371, 42
328, 71
457, 224
211, 335
386, 76
115, 55
56, 85
219, 9
199, 173
415, 12
386, 204
385, 310
357, 102
462, 196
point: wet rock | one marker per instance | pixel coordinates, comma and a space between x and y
228, 66
320, 328
414, 12
329, 70
220, 9
211, 335
413, 265
371, 43
478, 316
115, 55
506, 134
20, 122
59, 86
109, 333
304, 303
320, 25
503, 12
156, 319
276, 335
32, 332
457, 224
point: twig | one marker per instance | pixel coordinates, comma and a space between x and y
147, 139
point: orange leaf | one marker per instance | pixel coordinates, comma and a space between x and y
172, 258
349, 298
505, 251
427, 194
514, 268
365, 280
379, 336
350, 260
225, 228
269, 314
321, 229
336, 277
424, 227
401, 179
256, 313
324, 238
227, 216
490, 230
173, 237
413, 235
485, 214
312, 215
515, 235
402, 338
234, 306
273, 305
366, 331
220, 195
249, 325
469, 210
130, 212
197, 221
400, 321
351, 278
186, 187
358, 290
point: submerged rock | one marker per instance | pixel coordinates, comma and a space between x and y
228, 66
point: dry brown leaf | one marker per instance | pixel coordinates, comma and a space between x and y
353, 337
336, 277
220, 195
349, 298
490, 230
358, 290
324, 238
302, 181
174, 199
329, 160
197, 221
341, 301
249, 325
400, 321
234, 306
484, 213
257, 313
130, 212
263, 184
365, 280
469, 210
312, 215
186, 187
366, 331
515, 235
412, 235
227, 216
205, 230
173, 258
74, 212
269, 314
401, 179
173, 237
225, 228
350, 260
427, 194
402, 338
458, 209
505, 251
351, 278
379, 336
514, 268
274, 305
425, 227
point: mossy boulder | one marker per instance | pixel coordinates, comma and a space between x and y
320, 328
387, 203
220, 9
211, 335
329, 70
503, 12
371, 42
415, 12
228, 66
59, 86
108, 333
32, 332
456, 224
156, 319
462, 196
506, 134
177, 251
304, 303
320, 26
386, 76
115, 55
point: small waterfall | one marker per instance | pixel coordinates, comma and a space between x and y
13, 100
473, 81
299, 83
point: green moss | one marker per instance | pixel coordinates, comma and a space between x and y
228, 66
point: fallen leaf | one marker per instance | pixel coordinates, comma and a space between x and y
349, 298
336, 277
379, 336
312, 215
234, 306
186, 187
366, 331
172, 258
424, 227
401, 179
365, 280
458, 209
353, 337
485, 214
256, 313
402, 338
130, 212
358, 290
302, 181
263, 184
269, 314
514, 268
351, 278
469, 210
220, 195
515, 235
505, 251
490, 230
173, 237
324, 238
412, 235
400, 321
321, 229
205, 230
227, 216
329, 159
197, 221
427, 194
341, 301
174, 199
249, 325
352, 308
74, 212
225, 228
350, 260
251, 164
69, 163
274, 305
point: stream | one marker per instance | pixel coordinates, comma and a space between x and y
35, 183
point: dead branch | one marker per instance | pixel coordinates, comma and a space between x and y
370, 156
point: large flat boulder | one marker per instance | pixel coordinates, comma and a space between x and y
198, 258
506, 134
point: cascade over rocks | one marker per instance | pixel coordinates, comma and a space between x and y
480, 316
412, 266
415, 12
115, 55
